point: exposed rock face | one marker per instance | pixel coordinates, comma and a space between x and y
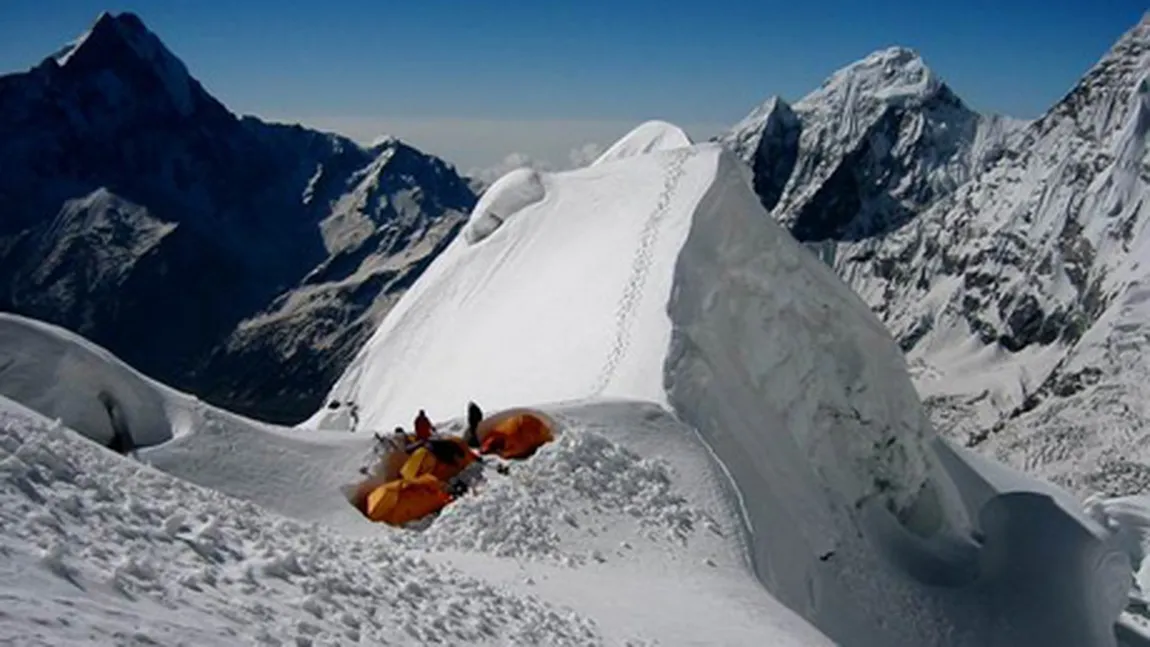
138, 211
879, 142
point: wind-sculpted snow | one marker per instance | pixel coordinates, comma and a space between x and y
509, 195
693, 298
589, 266
88, 389
646, 138
99, 550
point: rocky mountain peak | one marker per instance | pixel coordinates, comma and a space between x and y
121, 45
891, 76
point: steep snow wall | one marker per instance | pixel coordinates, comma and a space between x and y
63, 376
860, 519
660, 277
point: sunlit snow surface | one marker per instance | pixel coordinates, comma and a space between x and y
630, 298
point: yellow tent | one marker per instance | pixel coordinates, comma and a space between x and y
399, 502
515, 433
443, 458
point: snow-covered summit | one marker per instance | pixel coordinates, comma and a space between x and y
1019, 298
892, 76
879, 142
661, 279
647, 137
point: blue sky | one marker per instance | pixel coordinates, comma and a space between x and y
474, 82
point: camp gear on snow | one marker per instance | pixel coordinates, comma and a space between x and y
443, 458
516, 433
417, 475
399, 502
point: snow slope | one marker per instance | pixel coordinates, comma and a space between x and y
620, 532
1020, 299
659, 277
648, 137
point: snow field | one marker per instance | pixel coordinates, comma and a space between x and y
100, 549
586, 264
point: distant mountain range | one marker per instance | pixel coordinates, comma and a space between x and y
1008, 258
248, 262
241, 260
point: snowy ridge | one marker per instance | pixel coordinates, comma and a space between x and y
646, 138
854, 513
1016, 297
879, 142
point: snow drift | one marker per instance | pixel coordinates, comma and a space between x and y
508, 196
89, 390
662, 279
648, 137
588, 543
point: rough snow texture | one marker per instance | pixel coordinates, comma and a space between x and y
271, 251
648, 137
1020, 299
682, 291
620, 532
877, 143
99, 550
575, 488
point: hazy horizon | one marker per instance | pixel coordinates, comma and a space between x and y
486, 86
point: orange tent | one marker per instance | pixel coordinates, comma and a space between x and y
515, 433
443, 458
399, 502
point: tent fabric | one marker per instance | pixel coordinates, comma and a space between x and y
411, 480
443, 458
421, 462
399, 502
515, 434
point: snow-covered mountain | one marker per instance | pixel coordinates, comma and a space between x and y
241, 260
656, 275
735, 430
878, 142
1019, 297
